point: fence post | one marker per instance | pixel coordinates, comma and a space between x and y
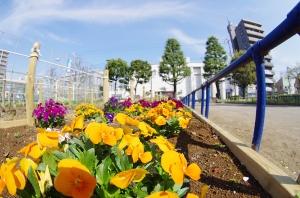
105, 86
69, 93
41, 91
207, 101
34, 55
92, 96
144, 93
3, 90
261, 100
131, 90
84, 96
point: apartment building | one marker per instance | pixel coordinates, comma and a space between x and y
243, 36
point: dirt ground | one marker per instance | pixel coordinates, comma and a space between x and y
221, 170
281, 137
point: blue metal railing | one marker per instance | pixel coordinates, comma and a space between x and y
285, 30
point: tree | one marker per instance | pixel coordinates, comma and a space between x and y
141, 71
214, 60
117, 69
245, 75
173, 68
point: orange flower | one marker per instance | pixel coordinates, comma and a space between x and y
204, 190
138, 153
74, 179
124, 178
146, 130
33, 150
183, 122
102, 133
160, 120
127, 139
77, 124
25, 164
176, 164
48, 139
11, 177
163, 144
163, 194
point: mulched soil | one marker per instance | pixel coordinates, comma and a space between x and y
221, 170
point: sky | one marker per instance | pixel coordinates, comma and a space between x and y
97, 31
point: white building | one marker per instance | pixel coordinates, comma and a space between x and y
186, 86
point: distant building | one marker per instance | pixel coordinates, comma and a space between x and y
285, 86
3, 63
243, 36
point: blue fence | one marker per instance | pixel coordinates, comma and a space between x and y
285, 30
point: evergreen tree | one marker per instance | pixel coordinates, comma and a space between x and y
117, 69
173, 68
141, 71
214, 60
245, 75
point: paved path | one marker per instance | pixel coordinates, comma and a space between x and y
281, 137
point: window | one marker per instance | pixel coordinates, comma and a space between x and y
243, 40
242, 33
245, 46
197, 70
154, 73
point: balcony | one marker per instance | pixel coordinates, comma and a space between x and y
254, 27
255, 34
269, 64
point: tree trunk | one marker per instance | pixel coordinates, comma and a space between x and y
244, 92
175, 90
218, 95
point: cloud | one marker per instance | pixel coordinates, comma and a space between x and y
58, 38
198, 45
26, 14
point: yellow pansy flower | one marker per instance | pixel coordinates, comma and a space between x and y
176, 164
74, 179
124, 178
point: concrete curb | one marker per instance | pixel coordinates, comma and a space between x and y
12, 123
270, 177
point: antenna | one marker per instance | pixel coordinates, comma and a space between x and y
227, 40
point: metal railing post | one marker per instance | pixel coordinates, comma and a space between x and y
188, 99
202, 101
207, 101
261, 101
193, 100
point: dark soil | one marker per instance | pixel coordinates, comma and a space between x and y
221, 170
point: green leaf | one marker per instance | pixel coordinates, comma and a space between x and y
88, 145
77, 141
141, 193
177, 187
126, 163
182, 191
31, 177
112, 190
73, 149
157, 188
102, 173
87, 158
59, 155
48, 159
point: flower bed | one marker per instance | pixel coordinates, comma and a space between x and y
99, 152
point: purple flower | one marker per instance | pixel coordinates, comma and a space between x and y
110, 117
